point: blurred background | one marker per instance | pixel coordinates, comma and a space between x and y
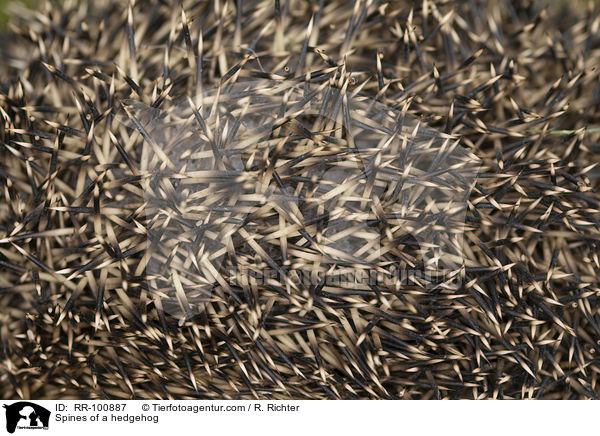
6, 7
555, 7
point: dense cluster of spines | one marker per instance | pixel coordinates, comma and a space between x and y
77, 318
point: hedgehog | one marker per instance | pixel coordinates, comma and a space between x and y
300, 200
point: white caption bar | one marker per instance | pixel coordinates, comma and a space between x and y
45, 418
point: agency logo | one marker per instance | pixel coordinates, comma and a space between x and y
25, 415
297, 185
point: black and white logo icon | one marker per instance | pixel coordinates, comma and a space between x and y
25, 415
